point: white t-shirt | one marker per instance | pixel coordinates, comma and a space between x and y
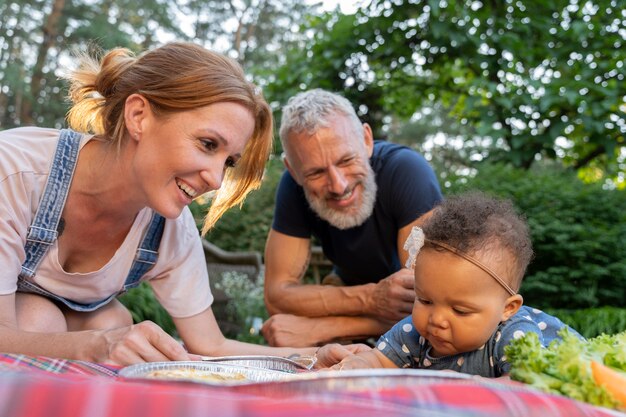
179, 278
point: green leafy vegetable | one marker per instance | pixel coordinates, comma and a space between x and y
564, 367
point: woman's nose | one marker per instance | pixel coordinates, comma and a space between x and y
337, 182
212, 177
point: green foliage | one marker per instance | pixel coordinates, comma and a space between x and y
592, 322
39, 37
520, 73
246, 305
332, 61
564, 366
143, 305
577, 231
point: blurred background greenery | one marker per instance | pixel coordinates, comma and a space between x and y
520, 98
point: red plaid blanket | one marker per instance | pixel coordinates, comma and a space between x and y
12, 361
33, 387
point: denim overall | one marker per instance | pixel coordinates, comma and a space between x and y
44, 230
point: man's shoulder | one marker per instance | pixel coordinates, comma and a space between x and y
392, 155
383, 148
288, 186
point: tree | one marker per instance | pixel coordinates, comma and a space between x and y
537, 78
251, 31
38, 36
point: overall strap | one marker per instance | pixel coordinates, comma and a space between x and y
147, 252
43, 230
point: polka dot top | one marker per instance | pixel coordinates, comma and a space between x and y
404, 346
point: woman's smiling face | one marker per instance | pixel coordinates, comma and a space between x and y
184, 155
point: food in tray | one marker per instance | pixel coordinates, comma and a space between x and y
196, 375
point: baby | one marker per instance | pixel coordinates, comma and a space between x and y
469, 260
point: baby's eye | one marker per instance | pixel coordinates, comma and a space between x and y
423, 301
461, 312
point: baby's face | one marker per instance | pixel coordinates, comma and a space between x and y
458, 306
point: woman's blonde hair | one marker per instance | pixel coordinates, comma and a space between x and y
173, 78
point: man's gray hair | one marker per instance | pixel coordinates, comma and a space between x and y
311, 110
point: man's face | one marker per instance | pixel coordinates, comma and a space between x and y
333, 167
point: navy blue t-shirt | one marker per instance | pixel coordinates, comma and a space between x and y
407, 188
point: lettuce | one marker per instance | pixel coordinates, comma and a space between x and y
564, 367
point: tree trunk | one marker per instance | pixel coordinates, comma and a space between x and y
50, 33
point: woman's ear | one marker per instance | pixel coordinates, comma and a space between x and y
136, 109
512, 306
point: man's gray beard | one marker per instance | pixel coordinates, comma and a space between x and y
346, 220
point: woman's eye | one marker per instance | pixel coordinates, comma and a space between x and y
230, 163
209, 145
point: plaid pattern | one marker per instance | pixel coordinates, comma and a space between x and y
34, 387
9, 361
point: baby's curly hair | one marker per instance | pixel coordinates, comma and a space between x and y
476, 222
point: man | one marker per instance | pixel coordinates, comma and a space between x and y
359, 198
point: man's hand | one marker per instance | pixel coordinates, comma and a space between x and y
333, 353
290, 330
393, 296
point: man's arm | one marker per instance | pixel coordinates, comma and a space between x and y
286, 260
297, 331
287, 257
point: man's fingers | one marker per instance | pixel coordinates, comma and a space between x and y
408, 296
407, 278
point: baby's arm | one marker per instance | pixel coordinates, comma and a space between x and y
369, 359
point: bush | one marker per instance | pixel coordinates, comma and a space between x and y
246, 305
246, 229
245, 308
143, 305
592, 322
577, 231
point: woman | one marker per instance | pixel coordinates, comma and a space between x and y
85, 217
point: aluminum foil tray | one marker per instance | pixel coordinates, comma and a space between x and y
251, 375
359, 380
274, 363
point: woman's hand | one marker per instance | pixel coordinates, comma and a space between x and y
333, 353
142, 342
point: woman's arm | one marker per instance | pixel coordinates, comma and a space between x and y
122, 346
202, 336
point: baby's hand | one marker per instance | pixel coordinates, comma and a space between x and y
352, 362
332, 353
